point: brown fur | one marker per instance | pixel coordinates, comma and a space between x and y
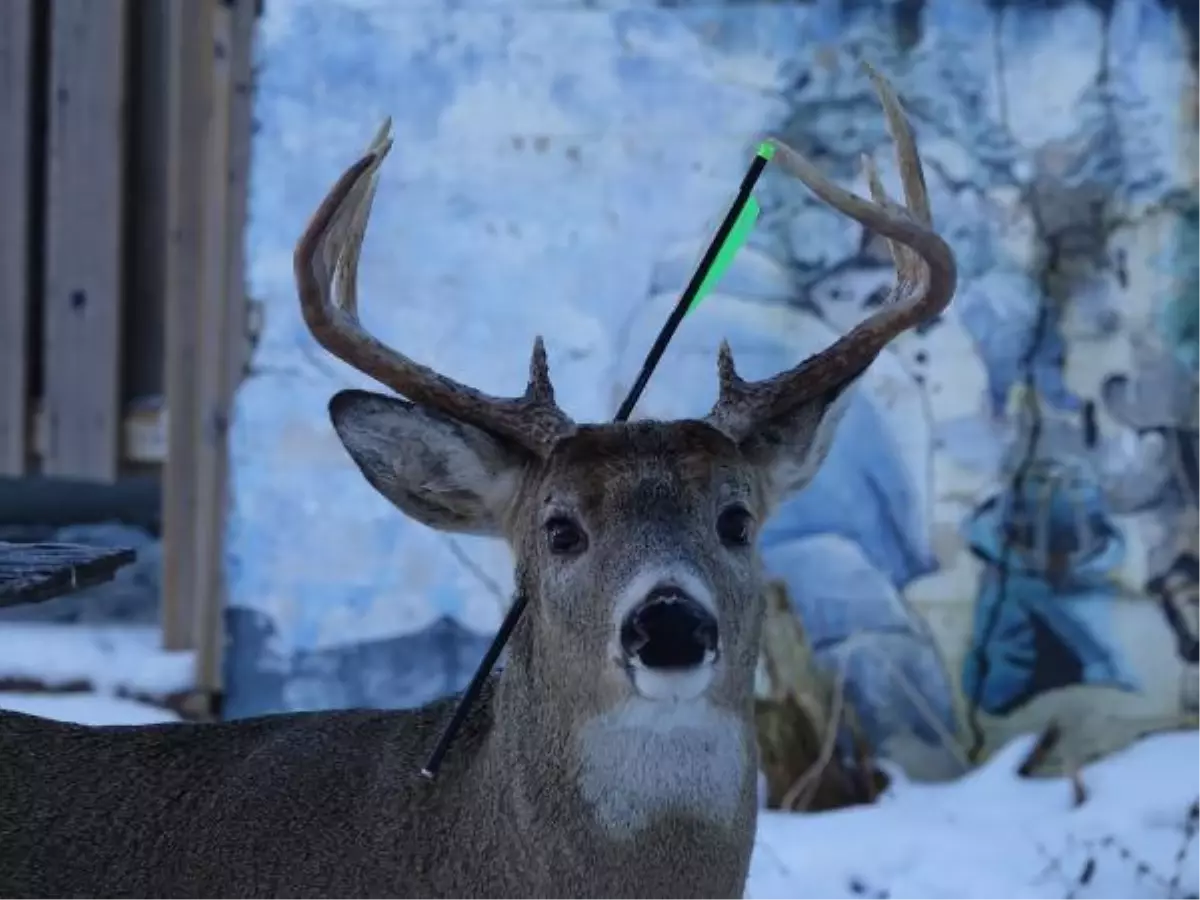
324, 805
330, 804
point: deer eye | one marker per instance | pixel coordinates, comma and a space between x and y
564, 536
735, 526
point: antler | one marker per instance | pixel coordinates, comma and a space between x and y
925, 280
326, 267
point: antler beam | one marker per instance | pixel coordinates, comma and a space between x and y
926, 276
326, 269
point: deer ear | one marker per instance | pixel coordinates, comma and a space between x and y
791, 448
441, 472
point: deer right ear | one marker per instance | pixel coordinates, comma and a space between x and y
791, 448
441, 472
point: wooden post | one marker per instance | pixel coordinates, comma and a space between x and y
189, 114
213, 377
241, 124
16, 140
83, 230
224, 333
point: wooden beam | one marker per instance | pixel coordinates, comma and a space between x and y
189, 115
51, 503
16, 141
83, 231
213, 376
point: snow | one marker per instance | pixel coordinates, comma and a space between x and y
992, 834
988, 834
86, 708
107, 658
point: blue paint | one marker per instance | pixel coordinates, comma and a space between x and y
390, 673
1015, 342
863, 494
1043, 616
857, 620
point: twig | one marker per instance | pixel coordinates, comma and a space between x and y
1041, 749
1084, 878
1190, 827
811, 776
921, 703
1079, 793
865, 764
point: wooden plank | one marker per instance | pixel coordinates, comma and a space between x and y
52, 503
189, 110
143, 432
83, 229
31, 573
214, 375
16, 140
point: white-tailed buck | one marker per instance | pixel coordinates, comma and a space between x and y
615, 754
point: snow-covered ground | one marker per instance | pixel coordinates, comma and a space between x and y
990, 834
109, 658
91, 673
993, 834
87, 708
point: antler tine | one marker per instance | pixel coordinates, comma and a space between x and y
926, 276
326, 269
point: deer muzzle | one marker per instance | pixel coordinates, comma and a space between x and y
670, 643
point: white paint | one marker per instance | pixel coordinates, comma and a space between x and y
673, 685
645, 758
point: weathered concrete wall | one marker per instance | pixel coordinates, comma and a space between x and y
559, 165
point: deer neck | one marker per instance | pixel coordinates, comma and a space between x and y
638, 800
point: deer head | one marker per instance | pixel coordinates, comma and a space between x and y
635, 542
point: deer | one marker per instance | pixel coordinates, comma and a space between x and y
614, 753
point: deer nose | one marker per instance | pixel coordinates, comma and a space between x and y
669, 630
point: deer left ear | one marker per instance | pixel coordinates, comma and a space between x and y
444, 473
790, 448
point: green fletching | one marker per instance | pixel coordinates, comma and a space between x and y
737, 236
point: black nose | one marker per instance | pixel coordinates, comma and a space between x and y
669, 630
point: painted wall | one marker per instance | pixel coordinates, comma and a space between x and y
1005, 529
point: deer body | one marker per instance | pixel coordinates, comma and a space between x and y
615, 755
329, 805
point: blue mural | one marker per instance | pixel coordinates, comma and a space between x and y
1017, 345
1042, 618
1176, 591
558, 169
1157, 403
391, 673
858, 622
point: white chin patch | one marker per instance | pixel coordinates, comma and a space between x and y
681, 684
644, 758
